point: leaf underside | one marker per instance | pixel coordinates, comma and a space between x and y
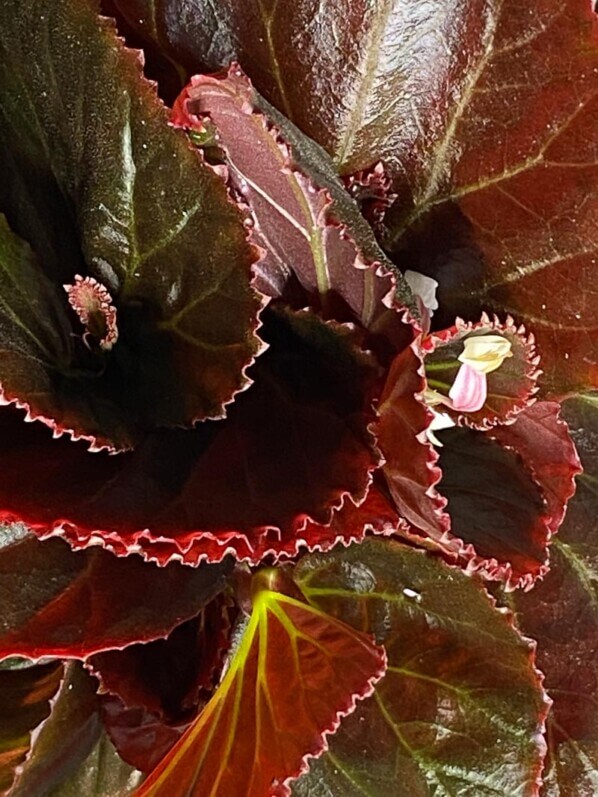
294, 675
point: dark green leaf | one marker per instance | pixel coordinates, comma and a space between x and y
65, 738
102, 774
98, 184
461, 708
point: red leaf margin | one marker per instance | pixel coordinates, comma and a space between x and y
367, 554
425, 507
388, 287
482, 419
158, 540
136, 59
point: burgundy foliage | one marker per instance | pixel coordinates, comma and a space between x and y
297, 350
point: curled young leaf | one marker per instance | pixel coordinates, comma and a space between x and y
313, 238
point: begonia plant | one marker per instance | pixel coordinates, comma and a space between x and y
299, 387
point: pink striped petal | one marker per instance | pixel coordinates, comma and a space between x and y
469, 390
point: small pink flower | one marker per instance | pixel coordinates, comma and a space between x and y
469, 390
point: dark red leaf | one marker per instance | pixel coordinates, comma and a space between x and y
562, 614
302, 218
57, 602
481, 113
501, 209
141, 738
170, 677
295, 673
461, 709
410, 466
356, 77
294, 447
94, 194
506, 497
154, 691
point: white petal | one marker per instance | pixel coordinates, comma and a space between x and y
424, 287
485, 353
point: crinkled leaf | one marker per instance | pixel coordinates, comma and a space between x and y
293, 448
482, 113
506, 496
561, 612
295, 674
63, 739
25, 695
102, 774
501, 209
99, 184
57, 602
461, 708
507, 491
308, 227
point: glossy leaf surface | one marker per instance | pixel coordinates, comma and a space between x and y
294, 447
64, 739
90, 167
272, 709
26, 693
102, 774
501, 208
353, 76
57, 602
562, 614
482, 113
460, 710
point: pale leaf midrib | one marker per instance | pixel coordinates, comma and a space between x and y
355, 118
